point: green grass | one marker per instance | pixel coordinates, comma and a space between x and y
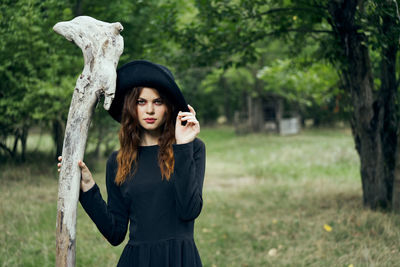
261, 192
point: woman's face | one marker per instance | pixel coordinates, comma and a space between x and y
151, 109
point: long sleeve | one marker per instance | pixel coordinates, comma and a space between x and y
190, 160
112, 218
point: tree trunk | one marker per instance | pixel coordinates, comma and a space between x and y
279, 114
388, 104
78, 10
24, 137
396, 182
368, 115
258, 118
227, 98
388, 99
250, 118
58, 136
79, 118
15, 146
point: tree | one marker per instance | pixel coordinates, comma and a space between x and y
28, 68
375, 113
353, 35
38, 68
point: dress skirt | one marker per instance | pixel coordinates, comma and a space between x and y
166, 253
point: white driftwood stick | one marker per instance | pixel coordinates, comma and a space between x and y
102, 45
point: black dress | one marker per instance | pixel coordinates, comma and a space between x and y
161, 213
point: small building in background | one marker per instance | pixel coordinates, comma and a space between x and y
269, 113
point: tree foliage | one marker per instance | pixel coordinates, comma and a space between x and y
39, 68
349, 34
313, 84
31, 87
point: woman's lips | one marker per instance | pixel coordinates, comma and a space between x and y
150, 120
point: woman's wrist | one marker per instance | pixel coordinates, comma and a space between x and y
182, 142
87, 186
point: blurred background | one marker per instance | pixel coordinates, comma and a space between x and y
298, 104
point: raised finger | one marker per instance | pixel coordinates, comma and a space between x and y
59, 158
180, 114
193, 121
191, 109
188, 117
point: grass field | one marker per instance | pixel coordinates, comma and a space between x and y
268, 201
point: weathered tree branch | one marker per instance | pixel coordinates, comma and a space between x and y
102, 45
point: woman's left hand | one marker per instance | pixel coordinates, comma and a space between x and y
187, 133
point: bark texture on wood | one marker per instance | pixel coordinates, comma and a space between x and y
389, 108
366, 121
396, 182
388, 99
102, 45
373, 127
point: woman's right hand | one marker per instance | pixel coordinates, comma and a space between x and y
87, 180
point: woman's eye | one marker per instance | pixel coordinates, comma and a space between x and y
140, 102
158, 102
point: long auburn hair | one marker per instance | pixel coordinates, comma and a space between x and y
130, 137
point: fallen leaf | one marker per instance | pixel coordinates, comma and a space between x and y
327, 228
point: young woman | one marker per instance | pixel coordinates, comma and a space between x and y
155, 180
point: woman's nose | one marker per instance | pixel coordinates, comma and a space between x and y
150, 108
